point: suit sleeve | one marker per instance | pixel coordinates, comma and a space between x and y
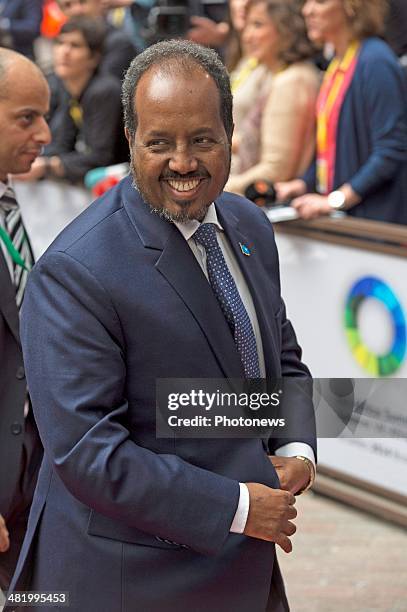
75, 358
296, 404
296, 401
385, 96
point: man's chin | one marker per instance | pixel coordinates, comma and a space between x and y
187, 212
176, 211
21, 168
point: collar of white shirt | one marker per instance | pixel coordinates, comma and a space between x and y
188, 228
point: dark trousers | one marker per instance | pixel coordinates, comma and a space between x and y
17, 515
277, 601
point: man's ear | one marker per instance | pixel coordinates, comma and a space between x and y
127, 134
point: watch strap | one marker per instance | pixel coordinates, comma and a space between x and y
311, 469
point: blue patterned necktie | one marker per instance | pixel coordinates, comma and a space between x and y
229, 299
17, 243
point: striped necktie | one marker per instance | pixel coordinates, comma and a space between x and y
229, 299
16, 240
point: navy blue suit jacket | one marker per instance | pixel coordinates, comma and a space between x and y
123, 520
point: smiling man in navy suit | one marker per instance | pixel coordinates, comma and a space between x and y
122, 299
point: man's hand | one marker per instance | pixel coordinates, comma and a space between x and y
204, 31
42, 167
4, 536
292, 473
270, 514
38, 170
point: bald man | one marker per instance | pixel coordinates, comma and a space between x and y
24, 101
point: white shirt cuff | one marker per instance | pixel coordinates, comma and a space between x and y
297, 448
288, 450
240, 518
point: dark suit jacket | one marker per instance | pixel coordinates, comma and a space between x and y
25, 21
99, 140
12, 390
127, 521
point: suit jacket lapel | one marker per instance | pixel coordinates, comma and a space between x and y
259, 289
8, 304
178, 265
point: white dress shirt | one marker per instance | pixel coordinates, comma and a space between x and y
187, 229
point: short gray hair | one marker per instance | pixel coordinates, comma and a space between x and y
179, 54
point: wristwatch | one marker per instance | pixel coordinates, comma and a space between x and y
311, 469
336, 200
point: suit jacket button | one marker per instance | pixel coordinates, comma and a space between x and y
20, 374
16, 429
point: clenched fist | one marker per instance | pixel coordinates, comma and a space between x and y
270, 515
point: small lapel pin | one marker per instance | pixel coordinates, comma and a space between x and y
245, 249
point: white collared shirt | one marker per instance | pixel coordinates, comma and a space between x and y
187, 229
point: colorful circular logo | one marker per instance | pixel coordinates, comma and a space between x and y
376, 365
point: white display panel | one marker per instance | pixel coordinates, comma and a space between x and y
47, 207
316, 279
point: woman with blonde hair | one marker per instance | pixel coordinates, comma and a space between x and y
361, 158
276, 137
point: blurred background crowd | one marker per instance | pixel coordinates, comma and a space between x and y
319, 90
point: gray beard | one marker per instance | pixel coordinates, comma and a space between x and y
181, 217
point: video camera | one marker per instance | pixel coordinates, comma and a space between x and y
262, 193
171, 18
